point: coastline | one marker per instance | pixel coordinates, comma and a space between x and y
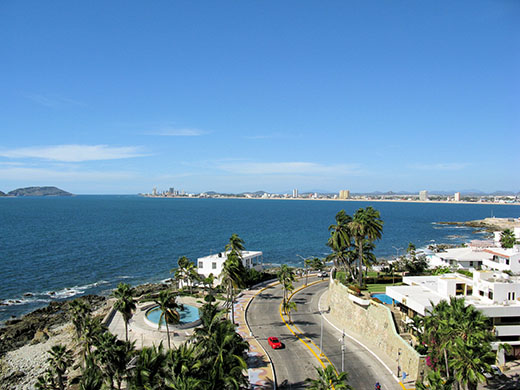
339, 200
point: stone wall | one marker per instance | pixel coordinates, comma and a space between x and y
375, 324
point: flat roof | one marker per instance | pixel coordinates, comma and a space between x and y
465, 254
245, 255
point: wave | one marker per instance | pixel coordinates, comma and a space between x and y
48, 296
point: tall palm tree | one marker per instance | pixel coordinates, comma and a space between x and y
236, 245
340, 235
365, 225
286, 276
150, 370
233, 276
307, 264
181, 272
60, 360
470, 361
91, 376
289, 306
79, 310
169, 307
125, 303
327, 379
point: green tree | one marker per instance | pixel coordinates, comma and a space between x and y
60, 360
79, 311
327, 379
289, 306
233, 277
236, 245
125, 303
286, 277
150, 369
91, 376
340, 234
434, 381
366, 224
508, 239
167, 304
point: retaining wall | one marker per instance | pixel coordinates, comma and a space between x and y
374, 323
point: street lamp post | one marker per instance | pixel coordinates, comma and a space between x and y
342, 340
305, 267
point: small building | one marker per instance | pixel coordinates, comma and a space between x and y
459, 258
213, 264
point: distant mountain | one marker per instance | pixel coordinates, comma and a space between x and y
38, 191
2, 193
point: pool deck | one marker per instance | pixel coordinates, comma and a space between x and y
143, 334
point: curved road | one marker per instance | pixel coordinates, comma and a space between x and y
295, 362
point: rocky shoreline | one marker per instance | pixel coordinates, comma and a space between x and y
24, 341
488, 224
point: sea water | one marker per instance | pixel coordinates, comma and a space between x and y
58, 248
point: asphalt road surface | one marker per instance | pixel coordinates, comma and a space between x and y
295, 362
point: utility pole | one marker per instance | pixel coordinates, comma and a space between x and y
398, 363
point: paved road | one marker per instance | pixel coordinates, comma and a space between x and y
295, 362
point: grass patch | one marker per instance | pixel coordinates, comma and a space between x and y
380, 288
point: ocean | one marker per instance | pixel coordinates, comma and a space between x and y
58, 248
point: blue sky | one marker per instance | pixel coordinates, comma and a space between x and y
117, 97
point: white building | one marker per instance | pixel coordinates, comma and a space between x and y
459, 258
213, 264
295, 193
457, 197
423, 196
495, 294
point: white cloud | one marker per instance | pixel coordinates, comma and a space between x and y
74, 153
178, 132
289, 168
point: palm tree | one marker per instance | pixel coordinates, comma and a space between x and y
125, 303
236, 245
470, 362
79, 310
434, 381
365, 225
150, 370
368, 256
285, 277
92, 330
232, 277
289, 306
340, 235
91, 377
59, 361
327, 379
167, 304
181, 272
507, 239
45, 381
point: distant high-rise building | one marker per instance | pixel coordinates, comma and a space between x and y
171, 191
457, 196
154, 192
423, 196
295, 193
344, 194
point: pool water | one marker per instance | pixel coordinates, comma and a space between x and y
188, 314
383, 298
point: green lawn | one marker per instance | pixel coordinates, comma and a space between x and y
380, 288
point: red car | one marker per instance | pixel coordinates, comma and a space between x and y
274, 342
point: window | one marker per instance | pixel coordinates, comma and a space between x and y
471, 264
481, 293
490, 294
459, 289
213, 265
507, 261
201, 265
511, 296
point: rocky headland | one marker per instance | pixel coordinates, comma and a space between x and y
489, 224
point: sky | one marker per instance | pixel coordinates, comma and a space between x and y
119, 97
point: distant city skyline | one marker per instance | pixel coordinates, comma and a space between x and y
236, 97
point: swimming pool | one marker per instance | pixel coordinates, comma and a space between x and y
383, 298
189, 315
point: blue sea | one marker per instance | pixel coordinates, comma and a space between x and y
58, 248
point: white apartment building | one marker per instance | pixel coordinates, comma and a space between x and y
213, 264
423, 196
495, 294
459, 258
456, 197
